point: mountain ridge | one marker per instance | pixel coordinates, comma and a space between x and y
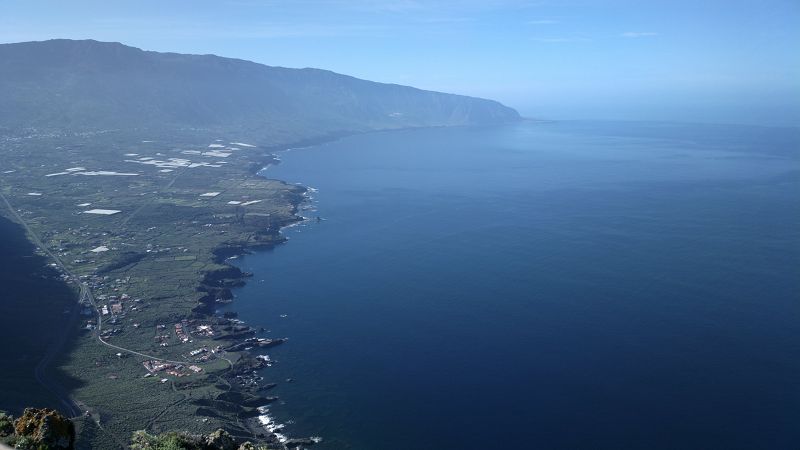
90, 84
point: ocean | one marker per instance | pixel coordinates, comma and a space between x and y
564, 285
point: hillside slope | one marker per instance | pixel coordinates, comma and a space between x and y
77, 85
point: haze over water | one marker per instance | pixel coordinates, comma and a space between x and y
550, 286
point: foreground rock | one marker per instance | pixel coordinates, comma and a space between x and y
221, 440
39, 429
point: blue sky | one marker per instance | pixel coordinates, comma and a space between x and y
711, 61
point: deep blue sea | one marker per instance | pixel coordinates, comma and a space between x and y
571, 285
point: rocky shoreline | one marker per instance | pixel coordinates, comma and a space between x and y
239, 337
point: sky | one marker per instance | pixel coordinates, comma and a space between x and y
730, 61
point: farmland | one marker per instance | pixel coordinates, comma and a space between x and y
139, 227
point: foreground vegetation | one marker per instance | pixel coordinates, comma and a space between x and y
46, 429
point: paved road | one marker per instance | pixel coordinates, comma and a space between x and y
85, 290
127, 350
56, 347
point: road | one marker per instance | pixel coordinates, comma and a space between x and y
117, 347
55, 348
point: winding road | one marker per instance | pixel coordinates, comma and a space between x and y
55, 347
85, 295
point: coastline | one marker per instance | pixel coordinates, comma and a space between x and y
220, 282
213, 283
217, 282
233, 277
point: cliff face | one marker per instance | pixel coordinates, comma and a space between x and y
93, 85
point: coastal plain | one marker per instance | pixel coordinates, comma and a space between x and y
140, 227
133, 175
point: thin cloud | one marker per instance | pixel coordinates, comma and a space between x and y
638, 34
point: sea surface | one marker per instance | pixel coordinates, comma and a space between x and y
570, 285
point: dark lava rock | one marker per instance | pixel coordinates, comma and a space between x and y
254, 342
246, 366
236, 335
294, 443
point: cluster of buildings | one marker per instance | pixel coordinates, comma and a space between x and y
162, 336
198, 351
185, 329
177, 370
203, 354
182, 330
153, 367
204, 330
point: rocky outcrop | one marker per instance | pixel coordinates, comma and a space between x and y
221, 440
301, 442
44, 429
252, 342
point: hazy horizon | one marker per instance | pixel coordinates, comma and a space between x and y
720, 62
